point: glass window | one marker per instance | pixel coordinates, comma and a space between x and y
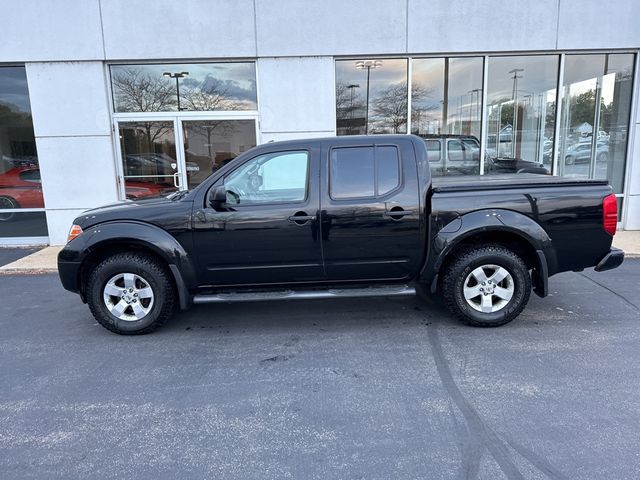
433, 150
270, 178
210, 144
446, 96
184, 87
360, 172
148, 158
371, 96
596, 104
19, 170
388, 169
521, 104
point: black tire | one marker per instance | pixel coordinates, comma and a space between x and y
458, 271
570, 159
153, 272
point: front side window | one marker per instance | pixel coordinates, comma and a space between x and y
184, 87
271, 178
361, 172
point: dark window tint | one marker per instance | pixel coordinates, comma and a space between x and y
30, 176
388, 169
354, 171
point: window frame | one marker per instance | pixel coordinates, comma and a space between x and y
375, 196
222, 180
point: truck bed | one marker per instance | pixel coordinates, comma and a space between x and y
507, 181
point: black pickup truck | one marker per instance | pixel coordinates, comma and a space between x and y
336, 217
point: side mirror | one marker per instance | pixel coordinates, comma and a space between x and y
217, 196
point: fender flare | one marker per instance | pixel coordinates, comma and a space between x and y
150, 237
494, 220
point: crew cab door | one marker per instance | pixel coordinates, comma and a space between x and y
370, 211
266, 230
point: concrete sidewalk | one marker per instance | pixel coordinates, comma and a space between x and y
44, 261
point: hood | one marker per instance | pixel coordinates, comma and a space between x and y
150, 210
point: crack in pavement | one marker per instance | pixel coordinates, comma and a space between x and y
622, 297
480, 436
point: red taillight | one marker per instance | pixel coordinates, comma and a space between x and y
610, 214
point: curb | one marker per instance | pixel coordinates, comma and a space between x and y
27, 271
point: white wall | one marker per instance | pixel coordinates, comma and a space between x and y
296, 97
37, 30
632, 207
73, 137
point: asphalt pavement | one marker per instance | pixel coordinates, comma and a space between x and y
8, 255
388, 388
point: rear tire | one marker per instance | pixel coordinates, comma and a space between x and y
503, 295
131, 294
7, 202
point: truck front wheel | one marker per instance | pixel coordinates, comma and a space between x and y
486, 286
130, 294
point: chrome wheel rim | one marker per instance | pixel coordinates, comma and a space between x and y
128, 297
488, 288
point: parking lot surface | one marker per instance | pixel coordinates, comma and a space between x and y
387, 388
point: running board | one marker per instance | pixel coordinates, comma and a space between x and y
388, 291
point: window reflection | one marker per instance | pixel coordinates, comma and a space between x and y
20, 185
371, 96
184, 87
521, 103
595, 116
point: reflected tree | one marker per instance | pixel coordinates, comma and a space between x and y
391, 104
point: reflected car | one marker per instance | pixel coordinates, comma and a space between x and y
513, 165
453, 154
581, 152
138, 190
21, 187
154, 164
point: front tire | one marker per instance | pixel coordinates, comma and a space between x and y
131, 294
486, 286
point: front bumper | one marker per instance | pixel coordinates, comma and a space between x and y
611, 260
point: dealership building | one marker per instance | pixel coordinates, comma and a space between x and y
117, 100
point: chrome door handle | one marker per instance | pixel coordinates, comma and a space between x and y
302, 218
176, 180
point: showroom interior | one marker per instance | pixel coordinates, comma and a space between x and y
92, 112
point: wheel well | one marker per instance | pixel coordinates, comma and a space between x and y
512, 241
101, 252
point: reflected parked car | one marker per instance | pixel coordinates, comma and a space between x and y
453, 154
581, 152
21, 187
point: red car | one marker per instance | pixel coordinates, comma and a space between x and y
21, 187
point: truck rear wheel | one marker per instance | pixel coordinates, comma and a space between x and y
130, 294
487, 286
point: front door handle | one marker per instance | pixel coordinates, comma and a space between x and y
301, 218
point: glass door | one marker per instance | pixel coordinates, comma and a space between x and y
150, 163
212, 143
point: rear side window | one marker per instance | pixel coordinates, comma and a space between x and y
364, 172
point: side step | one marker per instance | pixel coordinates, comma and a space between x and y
382, 291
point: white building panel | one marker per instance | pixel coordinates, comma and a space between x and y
330, 27
77, 172
68, 98
296, 94
178, 29
598, 24
41, 30
59, 222
490, 25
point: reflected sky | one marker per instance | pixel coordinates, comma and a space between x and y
233, 81
390, 72
539, 74
13, 89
